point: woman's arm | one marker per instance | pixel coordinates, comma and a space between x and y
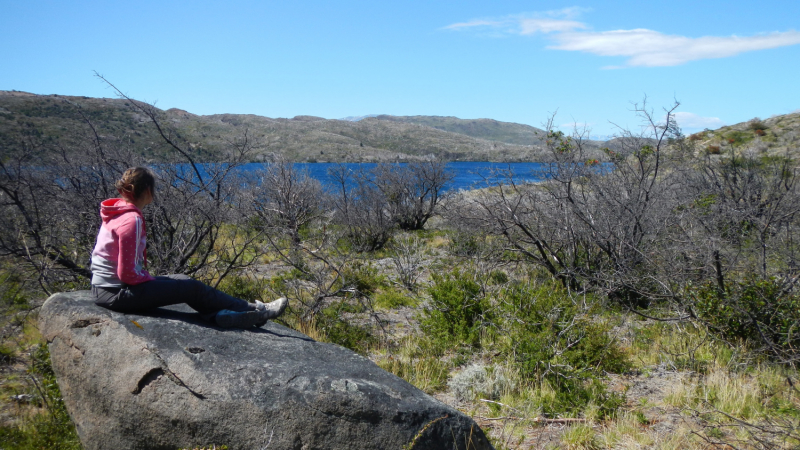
130, 262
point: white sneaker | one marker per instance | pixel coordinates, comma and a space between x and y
272, 309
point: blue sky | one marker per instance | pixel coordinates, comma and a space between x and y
516, 61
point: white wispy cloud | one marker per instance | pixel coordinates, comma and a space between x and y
641, 47
532, 26
559, 20
648, 48
692, 121
476, 23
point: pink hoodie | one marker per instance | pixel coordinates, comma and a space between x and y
119, 254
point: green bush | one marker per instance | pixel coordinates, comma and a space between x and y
455, 315
573, 396
7, 353
757, 125
244, 287
280, 283
364, 278
738, 137
559, 342
497, 277
338, 330
464, 244
391, 299
546, 326
12, 292
754, 310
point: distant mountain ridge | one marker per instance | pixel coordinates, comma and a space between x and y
381, 137
357, 118
301, 138
489, 129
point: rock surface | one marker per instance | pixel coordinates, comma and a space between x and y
168, 380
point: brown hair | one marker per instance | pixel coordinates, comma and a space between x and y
135, 182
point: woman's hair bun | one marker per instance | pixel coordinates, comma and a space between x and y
135, 182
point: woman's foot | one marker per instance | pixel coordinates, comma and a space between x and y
239, 319
272, 309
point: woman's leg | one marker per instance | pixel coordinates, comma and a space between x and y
174, 289
103, 296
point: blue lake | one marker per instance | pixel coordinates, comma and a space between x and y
466, 175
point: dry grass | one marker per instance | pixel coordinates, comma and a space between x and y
580, 437
757, 393
625, 431
682, 346
307, 327
424, 370
427, 374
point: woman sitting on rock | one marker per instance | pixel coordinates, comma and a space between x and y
121, 283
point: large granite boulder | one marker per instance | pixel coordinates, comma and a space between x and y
168, 380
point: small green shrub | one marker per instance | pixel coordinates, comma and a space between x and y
757, 125
464, 244
641, 419
12, 292
628, 298
455, 315
338, 330
281, 283
497, 277
697, 136
363, 278
754, 310
573, 396
391, 299
557, 342
243, 287
738, 137
7, 353
547, 325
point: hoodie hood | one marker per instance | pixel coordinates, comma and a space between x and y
115, 206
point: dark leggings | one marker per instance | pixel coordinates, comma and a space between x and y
165, 291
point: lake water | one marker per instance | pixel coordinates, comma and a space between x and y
466, 175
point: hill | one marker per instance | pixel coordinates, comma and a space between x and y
778, 135
66, 119
75, 121
488, 129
